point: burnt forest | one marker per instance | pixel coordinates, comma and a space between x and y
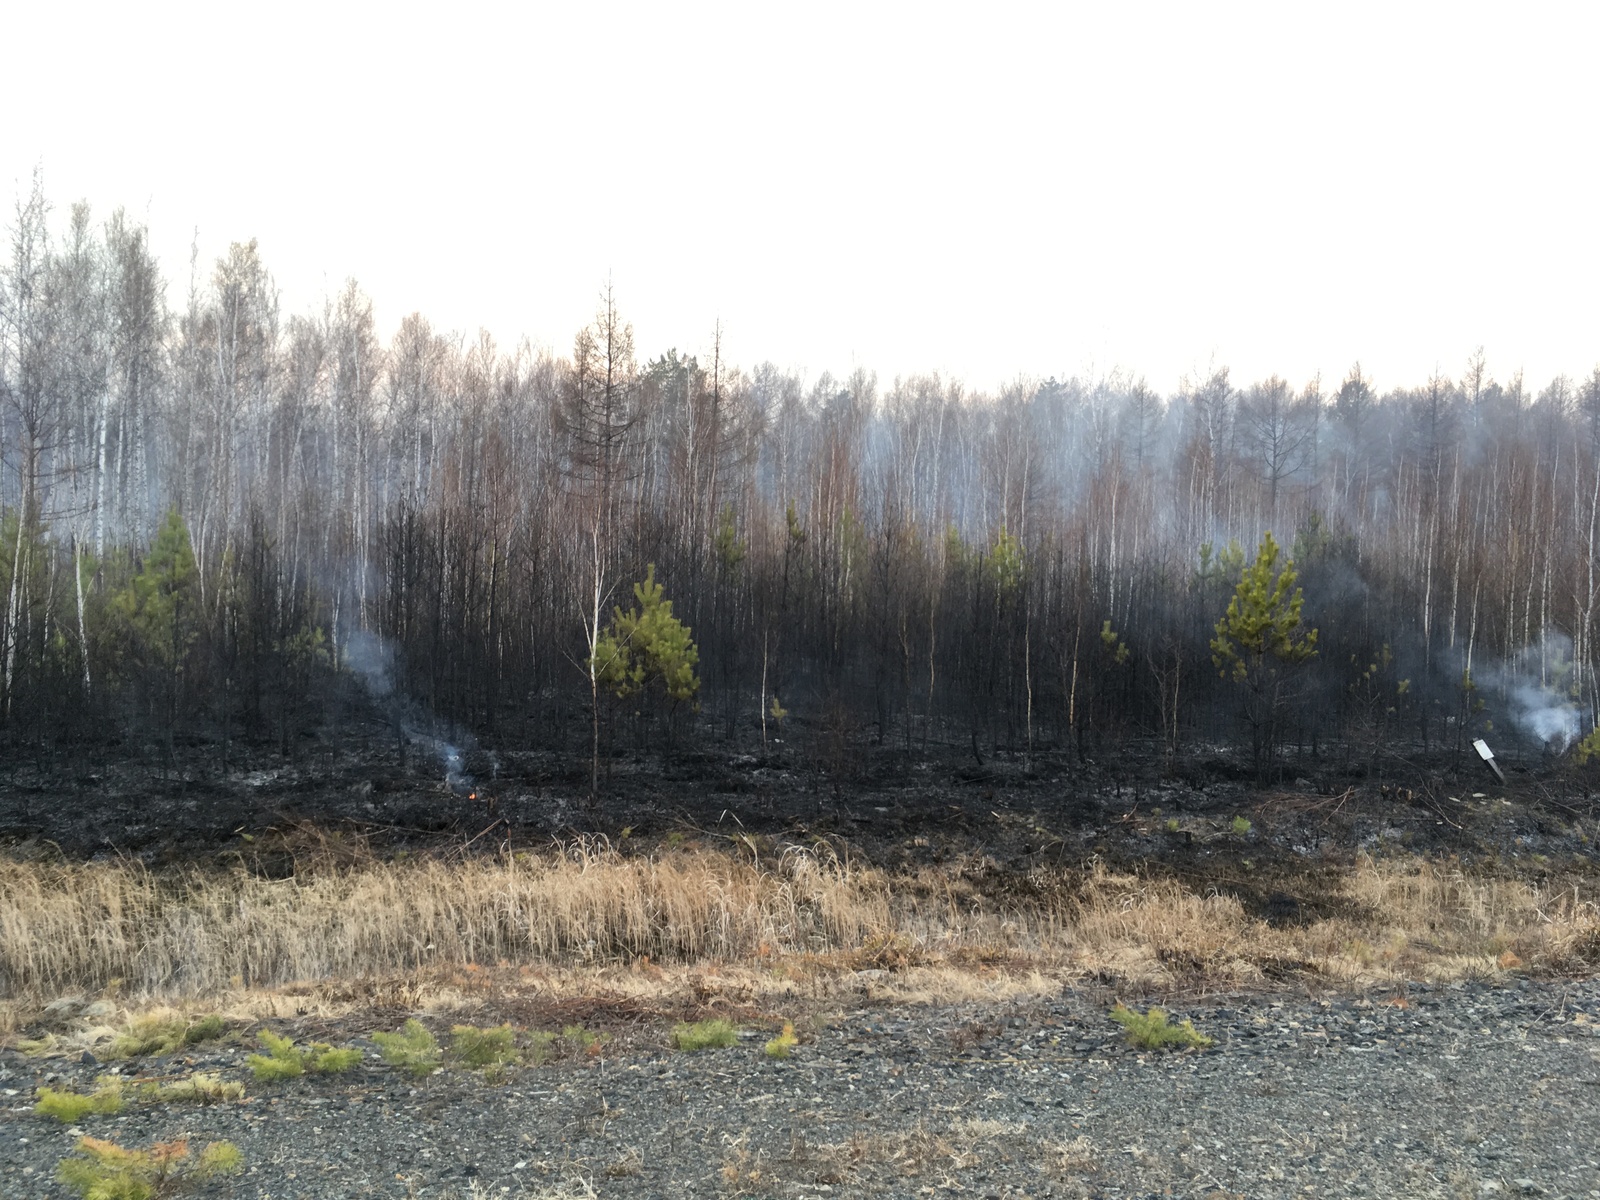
234, 535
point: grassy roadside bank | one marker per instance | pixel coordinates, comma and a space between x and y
690, 921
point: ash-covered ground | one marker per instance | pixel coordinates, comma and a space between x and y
1202, 817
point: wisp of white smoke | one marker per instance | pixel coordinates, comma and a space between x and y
1554, 721
371, 659
1534, 707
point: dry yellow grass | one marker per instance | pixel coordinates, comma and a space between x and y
66, 927
1421, 920
801, 926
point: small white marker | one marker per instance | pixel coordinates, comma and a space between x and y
1482, 747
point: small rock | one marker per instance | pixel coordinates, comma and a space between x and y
88, 1059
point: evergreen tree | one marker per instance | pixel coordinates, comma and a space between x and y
157, 611
1258, 638
155, 603
648, 648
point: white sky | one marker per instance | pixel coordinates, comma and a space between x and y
984, 190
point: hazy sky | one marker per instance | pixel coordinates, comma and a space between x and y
982, 190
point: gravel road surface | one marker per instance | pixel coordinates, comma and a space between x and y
1466, 1090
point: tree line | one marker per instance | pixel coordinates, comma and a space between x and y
208, 506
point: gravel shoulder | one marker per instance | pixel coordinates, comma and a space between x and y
1465, 1090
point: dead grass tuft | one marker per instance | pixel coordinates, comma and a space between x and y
1075, 1157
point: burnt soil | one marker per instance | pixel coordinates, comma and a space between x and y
896, 808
